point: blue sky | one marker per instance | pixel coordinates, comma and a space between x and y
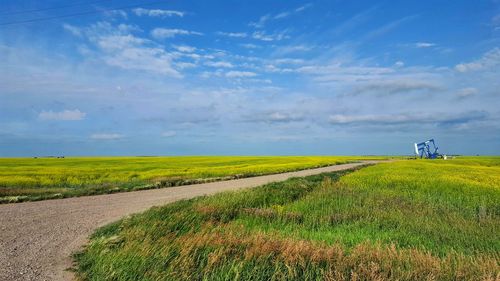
248, 77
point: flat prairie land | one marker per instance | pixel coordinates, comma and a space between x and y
29, 179
403, 220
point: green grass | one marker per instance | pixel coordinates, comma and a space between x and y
24, 179
405, 220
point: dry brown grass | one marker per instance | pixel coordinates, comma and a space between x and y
364, 262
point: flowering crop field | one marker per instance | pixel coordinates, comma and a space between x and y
25, 179
403, 220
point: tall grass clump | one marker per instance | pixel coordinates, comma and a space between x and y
405, 220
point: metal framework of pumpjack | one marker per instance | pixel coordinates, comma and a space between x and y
424, 150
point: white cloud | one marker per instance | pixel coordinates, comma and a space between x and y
249, 46
193, 56
65, 115
302, 8
157, 12
275, 117
153, 60
466, 92
387, 28
162, 33
72, 29
120, 48
347, 73
424, 45
233, 34
184, 65
265, 18
114, 13
261, 22
488, 60
285, 50
399, 64
224, 64
185, 49
206, 74
106, 136
355, 21
396, 85
438, 118
289, 61
359, 79
128, 27
261, 35
282, 15
169, 134
240, 74
274, 68
117, 42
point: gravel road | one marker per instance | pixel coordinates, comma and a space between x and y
38, 238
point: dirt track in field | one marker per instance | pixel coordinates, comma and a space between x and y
38, 238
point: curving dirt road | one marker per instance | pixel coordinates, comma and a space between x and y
37, 238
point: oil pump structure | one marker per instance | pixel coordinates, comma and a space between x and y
424, 150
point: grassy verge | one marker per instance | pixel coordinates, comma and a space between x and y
407, 220
23, 179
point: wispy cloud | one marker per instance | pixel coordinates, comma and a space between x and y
467, 92
233, 34
288, 13
261, 22
388, 27
157, 12
72, 29
354, 21
116, 42
489, 60
148, 59
223, 64
162, 33
399, 64
424, 45
249, 46
240, 74
397, 86
118, 47
288, 49
289, 61
106, 136
440, 118
303, 7
65, 115
169, 134
185, 65
341, 72
282, 15
265, 18
274, 117
379, 81
184, 48
263, 36
116, 13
